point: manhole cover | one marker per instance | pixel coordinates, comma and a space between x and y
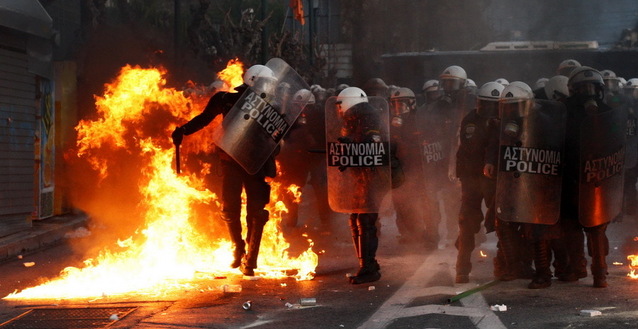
68, 318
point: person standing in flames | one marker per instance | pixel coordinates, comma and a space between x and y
235, 178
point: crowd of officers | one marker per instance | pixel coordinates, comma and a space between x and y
447, 140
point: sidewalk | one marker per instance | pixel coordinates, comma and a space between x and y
43, 233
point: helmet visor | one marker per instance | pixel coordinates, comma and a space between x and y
587, 89
521, 108
401, 105
487, 109
450, 85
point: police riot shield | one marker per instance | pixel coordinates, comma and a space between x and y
529, 178
261, 117
439, 133
358, 155
631, 150
601, 164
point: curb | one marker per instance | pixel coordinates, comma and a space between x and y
43, 233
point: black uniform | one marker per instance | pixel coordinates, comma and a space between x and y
597, 242
475, 133
408, 199
441, 120
361, 125
234, 179
631, 173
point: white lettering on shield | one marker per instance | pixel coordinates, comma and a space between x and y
265, 115
357, 154
433, 152
530, 160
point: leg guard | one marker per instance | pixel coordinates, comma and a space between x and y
598, 247
354, 228
368, 244
543, 275
506, 234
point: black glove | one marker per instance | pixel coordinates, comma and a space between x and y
178, 136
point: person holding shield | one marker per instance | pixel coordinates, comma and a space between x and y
235, 177
357, 143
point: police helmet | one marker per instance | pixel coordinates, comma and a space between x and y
257, 71
350, 97
567, 66
556, 88
403, 100
502, 81
453, 78
487, 99
430, 85
586, 80
303, 96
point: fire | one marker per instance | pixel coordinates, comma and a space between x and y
169, 250
232, 75
632, 266
482, 253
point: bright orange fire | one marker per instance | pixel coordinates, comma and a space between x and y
482, 254
633, 259
232, 75
136, 116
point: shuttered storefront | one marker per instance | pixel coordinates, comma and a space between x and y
17, 132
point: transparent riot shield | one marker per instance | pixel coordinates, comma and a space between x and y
358, 156
601, 167
631, 153
440, 122
261, 117
529, 179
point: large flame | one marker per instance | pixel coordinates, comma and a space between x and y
232, 75
135, 118
633, 259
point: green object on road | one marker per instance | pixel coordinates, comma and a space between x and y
471, 291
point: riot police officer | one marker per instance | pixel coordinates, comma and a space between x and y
592, 133
408, 198
293, 160
631, 159
358, 170
235, 177
474, 137
440, 125
431, 93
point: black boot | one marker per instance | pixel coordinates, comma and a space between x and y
249, 263
543, 276
561, 257
574, 240
598, 247
239, 245
368, 244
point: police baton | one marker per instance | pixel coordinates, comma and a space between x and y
177, 166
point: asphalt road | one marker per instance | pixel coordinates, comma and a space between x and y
416, 291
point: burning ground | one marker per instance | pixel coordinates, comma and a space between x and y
166, 225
